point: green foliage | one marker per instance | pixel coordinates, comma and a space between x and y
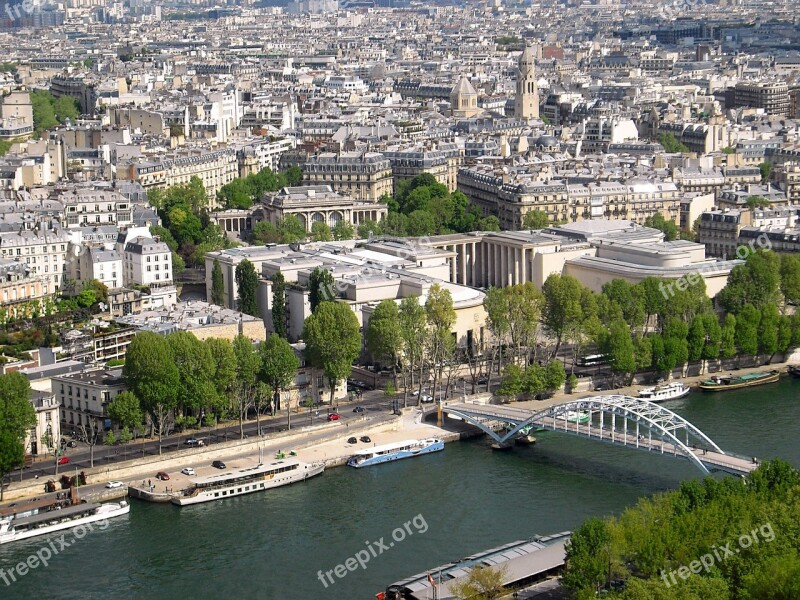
790, 278
333, 341
279, 312
17, 417
667, 227
383, 336
757, 282
482, 583
535, 219
321, 287
766, 170
670, 143
242, 193
343, 231
729, 150
110, 439
5, 146
279, 363
196, 369
757, 202
368, 226
647, 545
217, 285
247, 285
126, 410
320, 232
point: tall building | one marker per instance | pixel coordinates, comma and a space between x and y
526, 102
464, 99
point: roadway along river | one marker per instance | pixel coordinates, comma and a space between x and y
470, 498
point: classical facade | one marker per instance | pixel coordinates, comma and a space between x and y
364, 176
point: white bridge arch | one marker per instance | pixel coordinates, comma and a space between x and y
616, 419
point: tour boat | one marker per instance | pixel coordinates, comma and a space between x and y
720, 383
578, 416
666, 391
395, 451
45, 522
247, 480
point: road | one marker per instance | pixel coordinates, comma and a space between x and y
80, 457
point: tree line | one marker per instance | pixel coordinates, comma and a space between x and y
653, 551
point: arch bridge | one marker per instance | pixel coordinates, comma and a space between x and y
615, 419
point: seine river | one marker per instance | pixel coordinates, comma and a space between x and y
465, 499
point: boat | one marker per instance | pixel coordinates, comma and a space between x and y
395, 451
247, 480
666, 391
794, 370
720, 383
578, 416
13, 529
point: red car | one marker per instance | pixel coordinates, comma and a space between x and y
63, 460
333, 417
162, 476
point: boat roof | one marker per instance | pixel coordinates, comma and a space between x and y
389, 447
56, 514
235, 474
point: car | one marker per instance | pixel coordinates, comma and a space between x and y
601, 387
359, 409
218, 464
426, 399
162, 476
72, 444
352, 440
63, 460
188, 471
114, 484
333, 417
366, 439
193, 442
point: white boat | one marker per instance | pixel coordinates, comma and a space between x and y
395, 451
666, 391
578, 416
248, 480
44, 522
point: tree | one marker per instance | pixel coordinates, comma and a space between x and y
333, 341
768, 330
671, 143
766, 170
245, 381
279, 365
279, 305
17, 417
754, 202
757, 282
790, 278
441, 317
413, 323
217, 285
321, 287
320, 232
554, 376
383, 335
588, 556
496, 303
482, 583
535, 219
343, 231
247, 284
667, 227
126, 411
618, 345
224, 369
513, 382
562, 307
727, 347
196, 370
152, 376
265, 232
290, 229
294, 176
747, 330
367, 227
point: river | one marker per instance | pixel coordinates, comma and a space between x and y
465, 499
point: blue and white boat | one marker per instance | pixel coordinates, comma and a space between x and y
395, 451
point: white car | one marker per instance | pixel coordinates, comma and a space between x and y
426, 399
114, 484
188, 471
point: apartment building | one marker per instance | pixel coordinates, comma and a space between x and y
364, 176
43, 251
772, 96
86, 263
94, 207
84, 399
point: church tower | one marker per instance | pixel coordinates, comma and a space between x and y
526, 102
464, 99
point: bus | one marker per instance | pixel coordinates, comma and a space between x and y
592, 360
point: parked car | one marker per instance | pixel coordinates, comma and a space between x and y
333, 417
218, 464
426, 399
194, 442
188, 471
162, 476
114, 484
352, 440
63, 460
366, 439
359, 409
72, 444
